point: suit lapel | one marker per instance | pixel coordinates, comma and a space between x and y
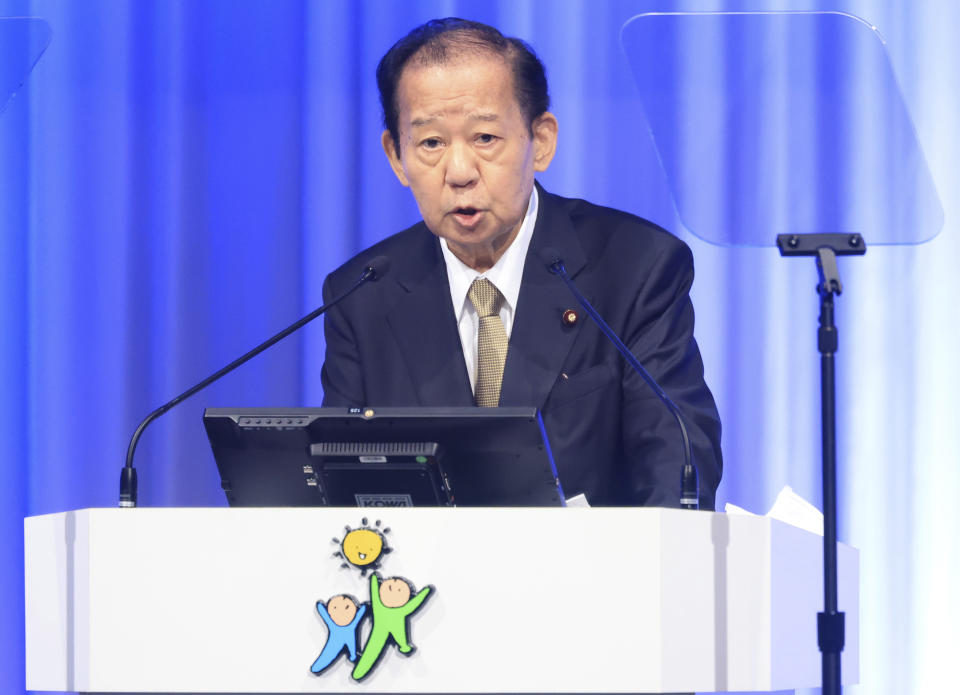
422, 319
539, 341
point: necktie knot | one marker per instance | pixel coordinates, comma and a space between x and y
485, 297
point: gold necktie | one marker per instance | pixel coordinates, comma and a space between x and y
491, 342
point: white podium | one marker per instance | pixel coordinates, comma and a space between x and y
522, 601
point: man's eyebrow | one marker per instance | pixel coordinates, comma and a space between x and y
420, 122
427, 120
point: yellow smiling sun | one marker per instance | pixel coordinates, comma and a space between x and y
363, 547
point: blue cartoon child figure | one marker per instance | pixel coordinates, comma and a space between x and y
342, 615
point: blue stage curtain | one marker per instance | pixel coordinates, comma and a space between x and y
176, 179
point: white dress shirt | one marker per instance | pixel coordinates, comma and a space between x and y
505, 275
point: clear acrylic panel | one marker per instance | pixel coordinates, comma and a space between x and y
760, 135
22, 41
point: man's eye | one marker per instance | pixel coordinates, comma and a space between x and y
430, 143
485, 138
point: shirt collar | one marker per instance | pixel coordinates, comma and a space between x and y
506, 274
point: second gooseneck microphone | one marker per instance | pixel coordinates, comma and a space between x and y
689, 479
374, 270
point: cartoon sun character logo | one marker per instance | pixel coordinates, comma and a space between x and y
363, 547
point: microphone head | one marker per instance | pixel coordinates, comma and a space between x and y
551, 258
377, 267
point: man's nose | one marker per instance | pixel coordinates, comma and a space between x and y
461, 167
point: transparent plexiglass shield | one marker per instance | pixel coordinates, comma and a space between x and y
22, 41
781, 123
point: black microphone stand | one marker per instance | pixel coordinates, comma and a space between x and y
689, 477
826, 248
128, 475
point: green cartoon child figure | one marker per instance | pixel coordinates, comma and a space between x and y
392, 606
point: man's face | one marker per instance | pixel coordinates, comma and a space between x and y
467, 153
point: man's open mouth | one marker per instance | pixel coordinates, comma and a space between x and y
467, 215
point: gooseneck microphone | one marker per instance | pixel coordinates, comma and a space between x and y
689, 479
374, 270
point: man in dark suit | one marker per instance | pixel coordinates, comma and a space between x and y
467, 128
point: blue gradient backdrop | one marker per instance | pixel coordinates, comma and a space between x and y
176, 179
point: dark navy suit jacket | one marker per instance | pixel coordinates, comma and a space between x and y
395, 343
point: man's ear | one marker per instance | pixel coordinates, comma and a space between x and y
544, 129
390, 149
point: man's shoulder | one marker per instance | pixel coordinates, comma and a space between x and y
411, 245
600, 228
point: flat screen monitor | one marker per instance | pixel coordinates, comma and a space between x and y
383, 457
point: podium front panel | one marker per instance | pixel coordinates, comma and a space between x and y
518, 600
